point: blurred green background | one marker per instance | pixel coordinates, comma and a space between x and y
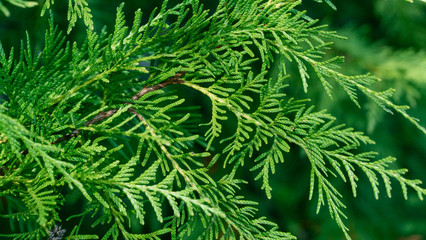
386, 38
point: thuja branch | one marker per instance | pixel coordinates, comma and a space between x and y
101, 116
221, 47
104, 115
173, 80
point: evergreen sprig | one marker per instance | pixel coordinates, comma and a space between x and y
76, 9
18, 3
100, 120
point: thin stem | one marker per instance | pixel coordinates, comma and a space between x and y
101, 116
173, 80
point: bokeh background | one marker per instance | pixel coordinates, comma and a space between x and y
386, 38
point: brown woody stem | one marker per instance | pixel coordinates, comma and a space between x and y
104, 115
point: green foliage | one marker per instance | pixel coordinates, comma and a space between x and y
405, 68
19, 3
108, 121
76, 9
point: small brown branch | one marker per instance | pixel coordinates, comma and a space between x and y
138, 115
100, 117
67, 137
173, 80
104, 115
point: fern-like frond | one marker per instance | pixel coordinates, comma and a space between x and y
330, 151
315, 133
41, 200
18, 3
109, 117
76, 9
239, 221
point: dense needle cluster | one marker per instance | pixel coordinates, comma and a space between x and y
106, 121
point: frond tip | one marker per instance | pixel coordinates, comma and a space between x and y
330, 151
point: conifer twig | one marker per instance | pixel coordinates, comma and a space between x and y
173, 80
104, 115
